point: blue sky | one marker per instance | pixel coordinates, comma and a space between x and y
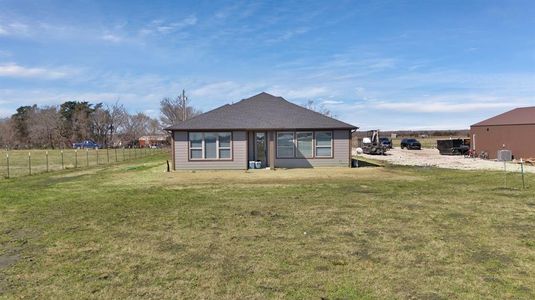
376, 64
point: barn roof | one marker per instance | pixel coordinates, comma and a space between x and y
517, 116
263, 111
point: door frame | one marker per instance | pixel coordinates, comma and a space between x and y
266, 147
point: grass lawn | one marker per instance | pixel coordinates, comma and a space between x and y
19, 160
132, 230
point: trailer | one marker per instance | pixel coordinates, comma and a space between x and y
453, 147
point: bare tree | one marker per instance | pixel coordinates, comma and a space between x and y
101, 123
138, 125
174, 111
319, 108
44, 127
7, 133
118, 118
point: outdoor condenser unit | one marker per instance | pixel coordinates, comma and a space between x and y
504, 155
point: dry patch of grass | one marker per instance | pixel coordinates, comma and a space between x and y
396, 232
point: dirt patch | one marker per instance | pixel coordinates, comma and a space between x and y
432, 158
8, 260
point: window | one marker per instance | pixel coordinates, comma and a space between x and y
324, 145
285, 144
304, 145
195, 145
210, 145
224, 145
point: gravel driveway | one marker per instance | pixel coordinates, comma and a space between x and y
431, 158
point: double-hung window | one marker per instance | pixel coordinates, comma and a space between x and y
210, 145
285, 144
304, 144
324, 144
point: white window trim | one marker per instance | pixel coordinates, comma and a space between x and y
293, 144
297, 144
316, 144
203, 146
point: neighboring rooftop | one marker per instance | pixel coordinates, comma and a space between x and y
263, 111
517, 116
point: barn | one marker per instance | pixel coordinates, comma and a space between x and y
513, 130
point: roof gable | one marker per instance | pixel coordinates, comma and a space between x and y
263, 111
517, 116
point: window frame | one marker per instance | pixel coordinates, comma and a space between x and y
314, 144
331, 146
203, 146
296, 144
293, 144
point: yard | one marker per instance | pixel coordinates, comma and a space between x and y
132, 230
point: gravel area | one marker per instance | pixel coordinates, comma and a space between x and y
431, 158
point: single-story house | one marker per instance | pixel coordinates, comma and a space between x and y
152, 140
263, 128
513, 130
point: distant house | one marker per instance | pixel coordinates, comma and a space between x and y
513, 130
152, 140
263, 128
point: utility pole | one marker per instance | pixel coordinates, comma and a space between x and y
184, 105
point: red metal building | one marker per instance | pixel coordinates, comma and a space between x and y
513, 130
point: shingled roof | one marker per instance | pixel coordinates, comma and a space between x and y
263, 111
517, 116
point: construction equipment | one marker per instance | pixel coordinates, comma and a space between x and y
372, 144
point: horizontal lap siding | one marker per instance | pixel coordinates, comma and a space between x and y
520, 139
341, 141
239, 153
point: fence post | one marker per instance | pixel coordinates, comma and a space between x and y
108, 154
7, 163
46, 155
87, 157
62, 161
30, 163
76, 158
115, 154
96, 149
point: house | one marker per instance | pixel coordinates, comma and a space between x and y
152, 140
513, 130
263, 128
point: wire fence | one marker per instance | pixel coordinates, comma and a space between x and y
16, 163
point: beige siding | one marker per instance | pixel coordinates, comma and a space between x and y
341, 141
239, 154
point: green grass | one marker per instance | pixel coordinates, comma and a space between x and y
133, 231
19, 160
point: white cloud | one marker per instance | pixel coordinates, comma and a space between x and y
162, 27
440, 107
301, 93
16, 71
331, 102
14, 29
289, 34
112, 38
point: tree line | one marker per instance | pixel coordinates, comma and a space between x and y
59, 126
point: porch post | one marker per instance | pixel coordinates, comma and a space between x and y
271, 135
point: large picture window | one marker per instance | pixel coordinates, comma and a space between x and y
324, 144
210, 145
304, 144
285, 144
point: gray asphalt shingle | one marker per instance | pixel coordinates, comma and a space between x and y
263, 111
